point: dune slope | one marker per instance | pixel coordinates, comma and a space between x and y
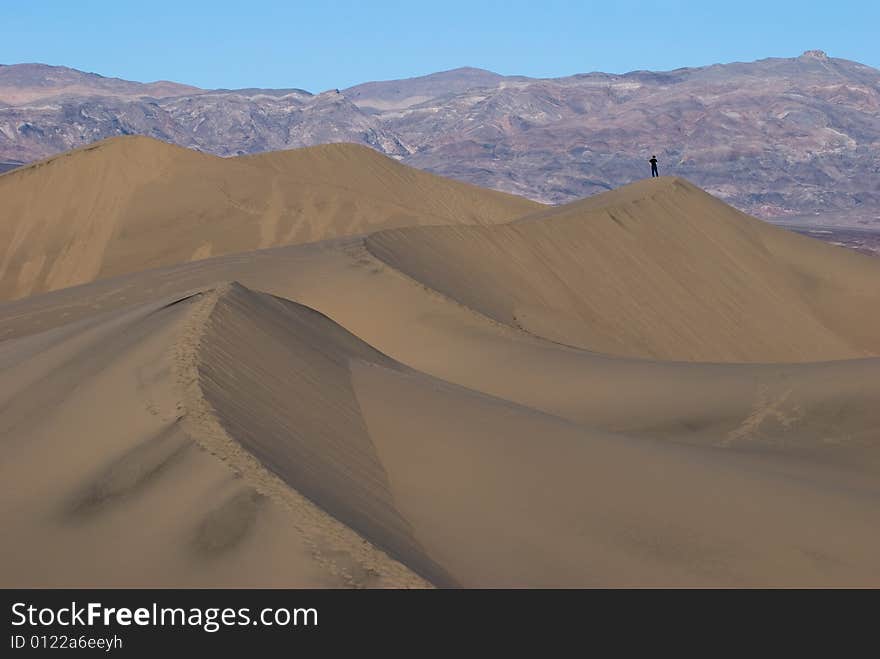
545, 403
104, 485
658, 269
273, 378
131, 203
251, 439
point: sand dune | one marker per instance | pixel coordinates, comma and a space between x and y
103, 484
658, 269
131, 203
461, 487
645, 388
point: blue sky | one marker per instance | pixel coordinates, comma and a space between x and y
321, 45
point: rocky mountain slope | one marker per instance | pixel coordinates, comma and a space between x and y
779, 137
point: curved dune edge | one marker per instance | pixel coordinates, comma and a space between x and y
132, 203
115, 476
656, 270
451, 480
200, 421
498, 494
691, 402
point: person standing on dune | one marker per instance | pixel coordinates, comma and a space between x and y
653, 162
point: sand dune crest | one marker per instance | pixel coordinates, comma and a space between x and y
131, 203
658, 269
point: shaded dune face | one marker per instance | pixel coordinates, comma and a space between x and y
132, 203
108, 480
462, 488
276, 375
643, 388
498, 494
657, 270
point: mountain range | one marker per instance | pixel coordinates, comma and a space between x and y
780, 138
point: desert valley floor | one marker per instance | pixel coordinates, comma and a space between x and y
321, 368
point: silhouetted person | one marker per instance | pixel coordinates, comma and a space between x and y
653, 162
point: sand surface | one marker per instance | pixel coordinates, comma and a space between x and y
646, 388
131, 203
660, 270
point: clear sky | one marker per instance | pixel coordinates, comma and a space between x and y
321, 45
